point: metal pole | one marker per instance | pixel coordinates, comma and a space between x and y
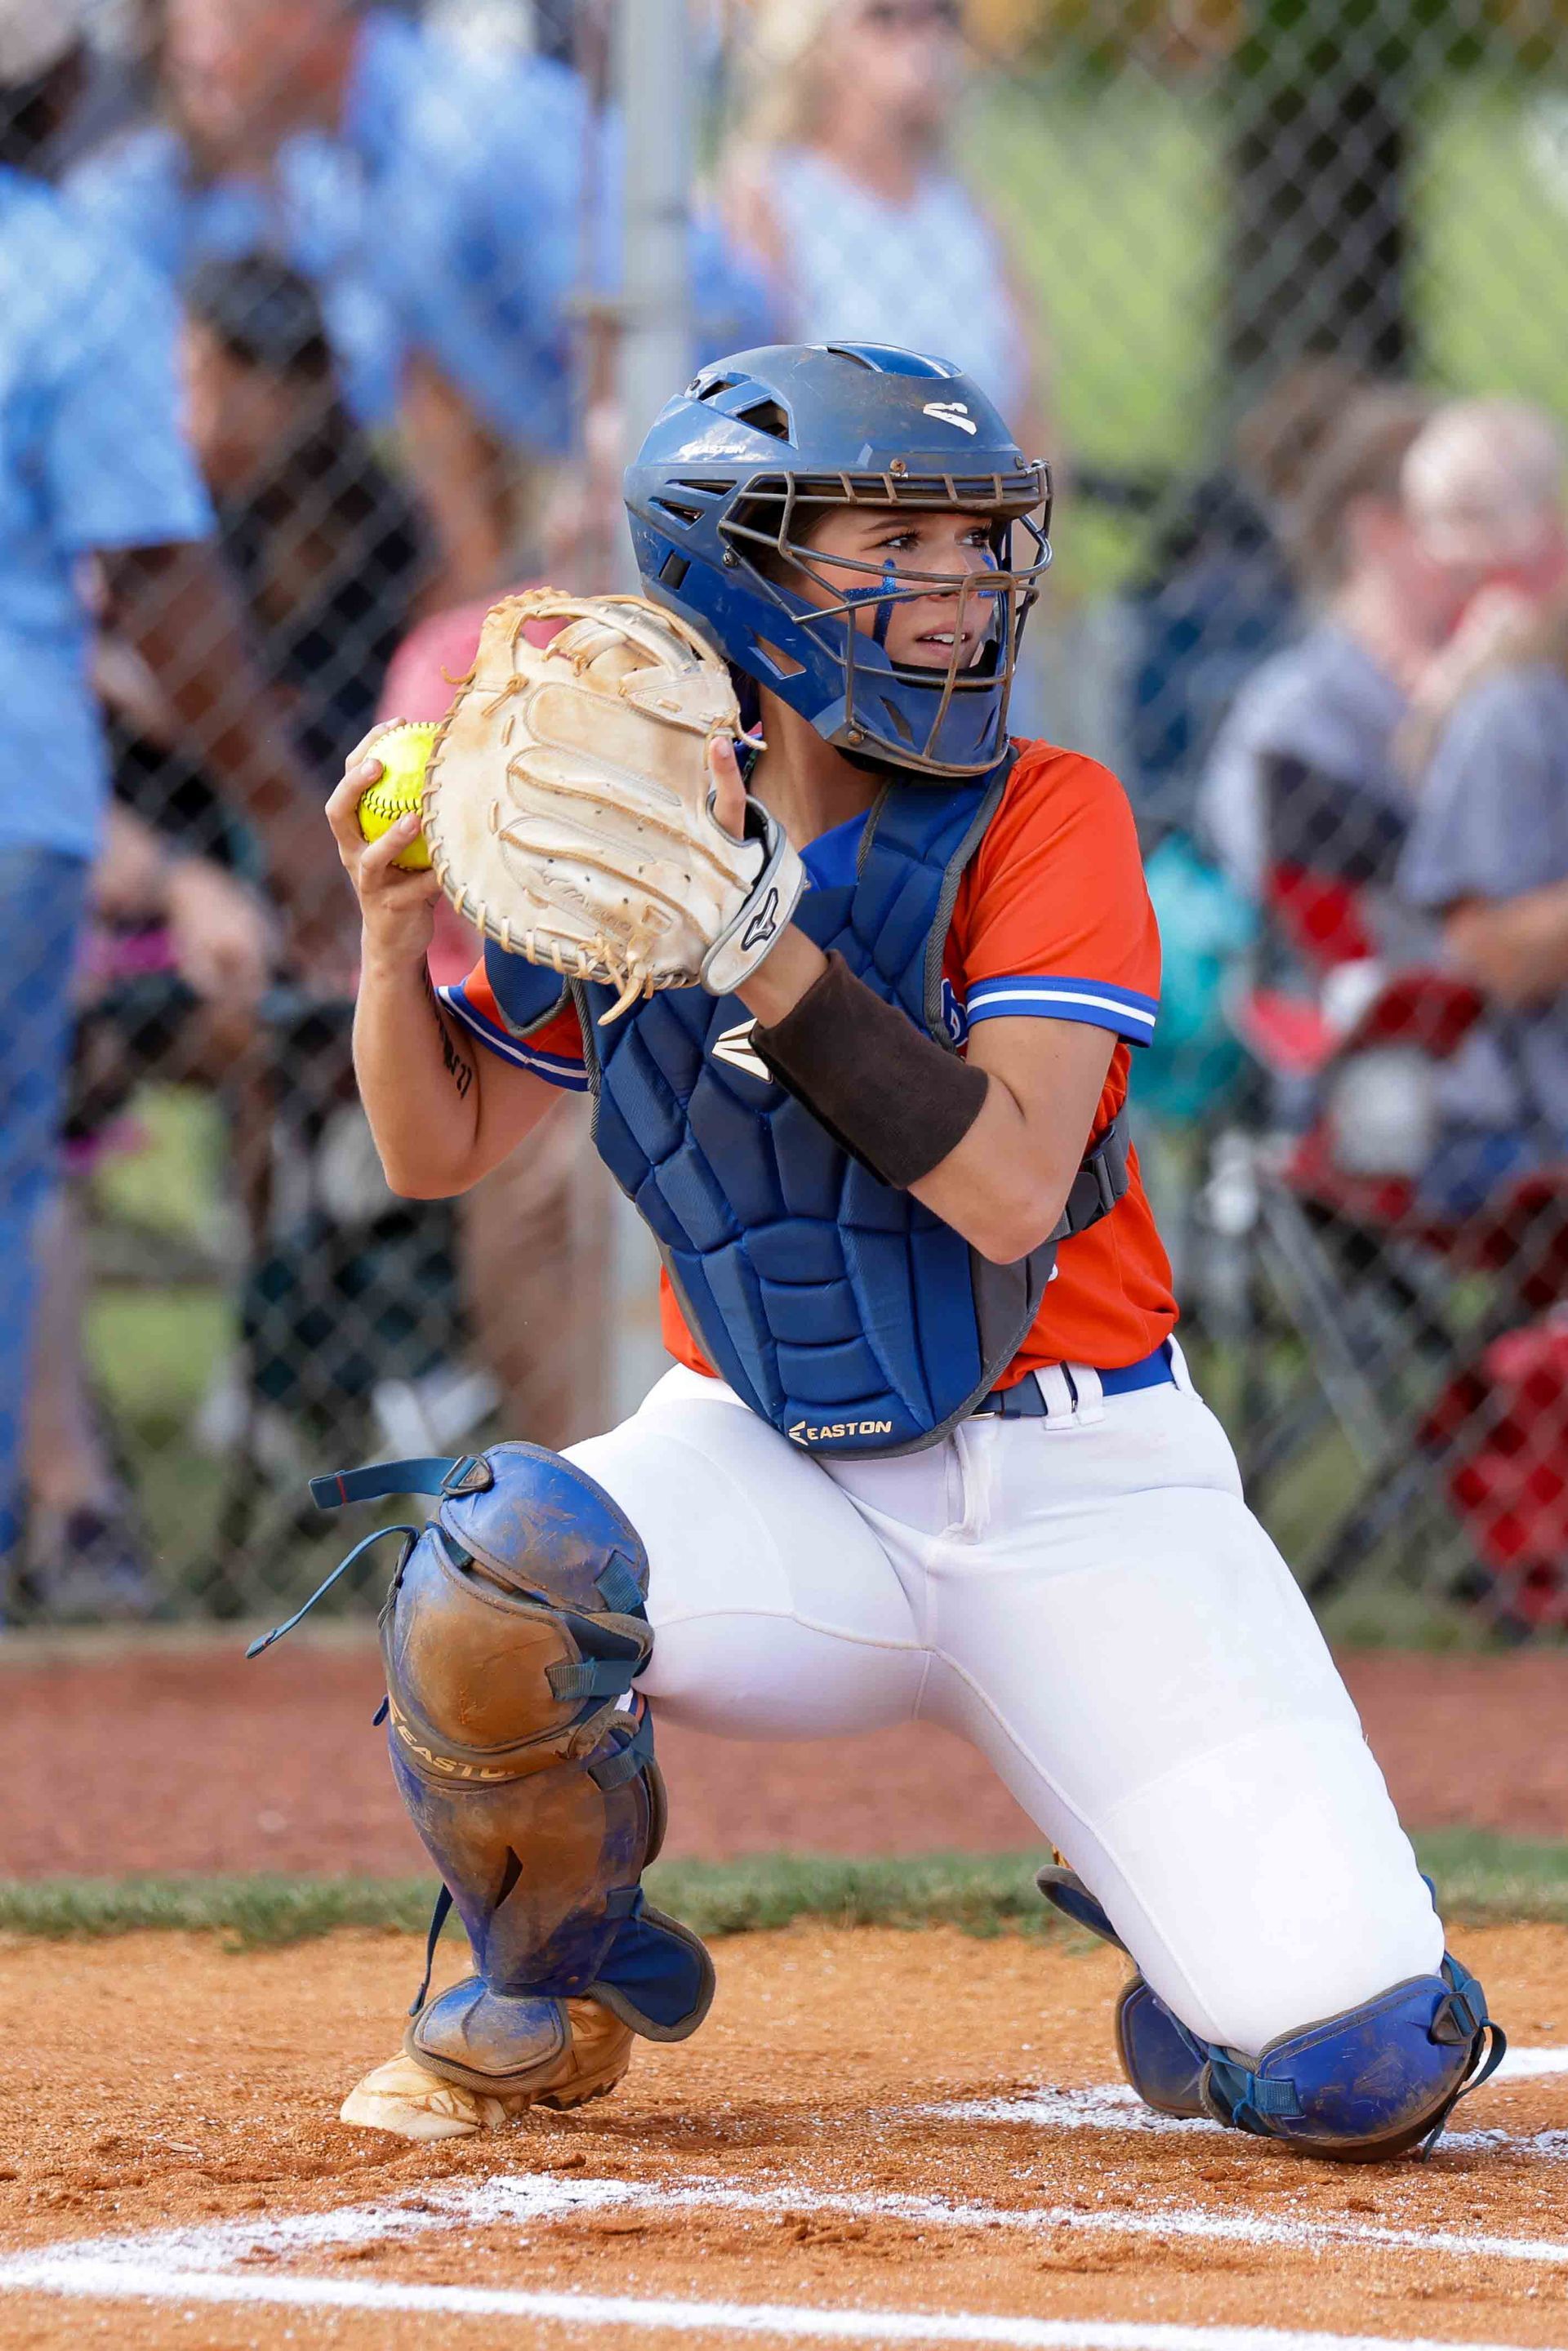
653, 72
653, 75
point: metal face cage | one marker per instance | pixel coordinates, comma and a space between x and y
942, 720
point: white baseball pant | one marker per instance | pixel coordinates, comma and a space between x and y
1089, 1600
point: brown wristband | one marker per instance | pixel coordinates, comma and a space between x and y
896, 1100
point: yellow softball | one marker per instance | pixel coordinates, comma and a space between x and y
404, 754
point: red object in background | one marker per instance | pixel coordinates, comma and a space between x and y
1502, 1429
421, 677
1320, 916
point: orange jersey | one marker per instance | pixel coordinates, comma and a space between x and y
1051, 922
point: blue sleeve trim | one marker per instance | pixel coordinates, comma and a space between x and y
559, 1068
1125, 1011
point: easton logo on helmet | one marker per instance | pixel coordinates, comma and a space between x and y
951, 411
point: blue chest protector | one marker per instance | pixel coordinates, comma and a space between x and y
839, 1308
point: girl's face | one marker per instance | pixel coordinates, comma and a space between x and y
852, 548
235, 415
904, 59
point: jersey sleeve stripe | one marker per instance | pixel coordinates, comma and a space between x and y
558, 1068
1123, 1010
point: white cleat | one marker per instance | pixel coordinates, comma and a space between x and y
405, 2097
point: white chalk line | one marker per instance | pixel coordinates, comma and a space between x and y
1116, 2107
786, 2319
528, 2199
1527, 2065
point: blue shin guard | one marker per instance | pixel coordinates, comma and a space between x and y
1378, 2081
512, 1635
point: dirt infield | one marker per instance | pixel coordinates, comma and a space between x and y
871, 2123
180, 1756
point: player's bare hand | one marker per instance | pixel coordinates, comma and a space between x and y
397, 908
220, 935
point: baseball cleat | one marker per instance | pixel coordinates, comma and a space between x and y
411, 2101
406, 2098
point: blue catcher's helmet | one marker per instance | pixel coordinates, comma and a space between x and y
755, 445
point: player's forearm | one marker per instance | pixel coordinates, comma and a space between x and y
178, 610
462, 473
991, 1146
418, 1081
1005, 1186
1517, 948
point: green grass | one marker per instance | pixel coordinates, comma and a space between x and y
1492, 288
154, 1354
1113, 195
1481, 1879
1494, 1880
172, 1183
1121, 263
1112, 200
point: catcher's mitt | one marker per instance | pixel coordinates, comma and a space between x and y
567, 802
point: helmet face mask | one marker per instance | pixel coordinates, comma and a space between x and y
903, 710
727, 543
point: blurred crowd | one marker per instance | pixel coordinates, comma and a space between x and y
312, 354
1359, 832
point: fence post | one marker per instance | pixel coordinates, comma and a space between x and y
653, 73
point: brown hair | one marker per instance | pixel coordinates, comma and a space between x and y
1362, 458
1278, 438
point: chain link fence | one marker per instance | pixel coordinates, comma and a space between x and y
323, 324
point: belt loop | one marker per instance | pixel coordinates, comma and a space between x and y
1091, 1396
1052, 1383
1179, 1371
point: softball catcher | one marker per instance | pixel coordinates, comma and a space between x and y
854, 981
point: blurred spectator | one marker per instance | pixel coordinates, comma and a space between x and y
1218, 592
324, 543
91, 461
429, 201
434, 197
1302, 773
1487, 851
840, 183
179, 953
1484, 490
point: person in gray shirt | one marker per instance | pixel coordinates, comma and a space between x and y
1303, 772
1488, 849
1487, 854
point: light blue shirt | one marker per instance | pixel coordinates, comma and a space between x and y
91, 456
929, 275
443, 216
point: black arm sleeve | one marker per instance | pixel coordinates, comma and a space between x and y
896, 1100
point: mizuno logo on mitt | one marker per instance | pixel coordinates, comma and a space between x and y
763, 923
